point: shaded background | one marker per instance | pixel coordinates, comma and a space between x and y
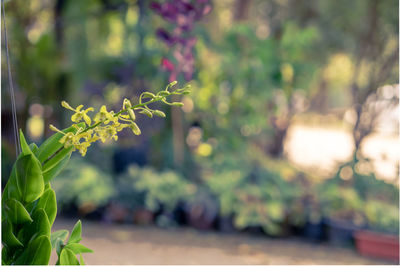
291, 129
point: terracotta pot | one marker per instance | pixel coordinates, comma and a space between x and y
377, 245
143, 217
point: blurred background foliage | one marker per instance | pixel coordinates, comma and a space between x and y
263, 71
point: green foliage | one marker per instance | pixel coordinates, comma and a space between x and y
67, 257
253, 192
383, 217
360, 199
164, 188
29, 206
82, 183
341, 202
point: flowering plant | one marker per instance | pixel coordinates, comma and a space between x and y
29, 204
182, 14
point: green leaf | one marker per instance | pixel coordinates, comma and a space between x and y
29, 178
67, 257
78, 248
7, 235
56, 159
59, 245
11, 189
52, 144
39, 251
41, 222
47, 186
34, 148
81, 259
16, 212
30, 207
61, 234
48, 203
76, 233
59, 156
4, 256
40, 226
24, 145
56, 169
21, 259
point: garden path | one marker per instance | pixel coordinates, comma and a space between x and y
132, 244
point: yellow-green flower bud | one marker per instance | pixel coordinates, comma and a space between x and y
177, 104
131, 114
170, 85
66, 105
135, 128
127, 104
146, 112
159, 113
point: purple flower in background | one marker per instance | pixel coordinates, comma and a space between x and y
182, 14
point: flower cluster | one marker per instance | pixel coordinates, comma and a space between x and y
105, 125
182, 14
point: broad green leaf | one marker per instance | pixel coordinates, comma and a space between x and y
7, 235
78, 248
24, 145
56, 168
39, 251
52, 144
76, 233
41, 222
61, 234
21, 259
40, 225
67, 257
16, 212
59, 156
29, 178
48, 202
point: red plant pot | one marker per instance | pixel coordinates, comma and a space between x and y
377, 245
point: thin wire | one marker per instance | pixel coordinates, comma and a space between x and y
11, 87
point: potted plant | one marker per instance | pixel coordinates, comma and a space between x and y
263, 202
161, 190
381, 238
201, 209
125, 200
343, 209
224, 185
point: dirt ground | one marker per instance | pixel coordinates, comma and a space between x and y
131, 244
